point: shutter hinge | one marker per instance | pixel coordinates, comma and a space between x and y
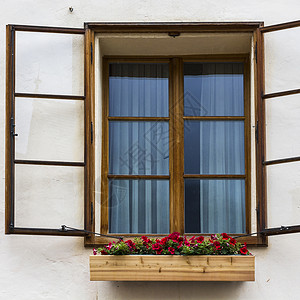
91, 53
255, 52
12, 127
92, 133
92, 213
256, 132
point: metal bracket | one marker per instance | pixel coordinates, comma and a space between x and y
12, 127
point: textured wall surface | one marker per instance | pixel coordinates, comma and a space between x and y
34, 267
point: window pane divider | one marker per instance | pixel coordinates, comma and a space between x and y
281, 161
280, 94
220, 118
49, 163
46, 231
209, 176
138, 118
110, 176
49, 96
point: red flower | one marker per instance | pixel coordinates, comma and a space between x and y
186, 241
103, 252
192, 239
244, 250
159, 251
225, 236
217, 245
175, 237
130, 244
200, 239
163, 241
213, 237
95, 251
171, 250
145, 239
156, 247
109, 246
232, 241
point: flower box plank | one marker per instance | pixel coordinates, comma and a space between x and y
172, 268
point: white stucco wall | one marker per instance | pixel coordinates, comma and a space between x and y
41, 267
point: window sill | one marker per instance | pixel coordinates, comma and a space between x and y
172, 268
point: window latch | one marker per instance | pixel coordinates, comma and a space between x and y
12, 128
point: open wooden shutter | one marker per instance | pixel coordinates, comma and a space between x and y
278, 127
46, 130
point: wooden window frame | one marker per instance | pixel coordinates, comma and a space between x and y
176, 120
90, 30
176, 91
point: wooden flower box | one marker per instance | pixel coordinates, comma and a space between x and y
172, 268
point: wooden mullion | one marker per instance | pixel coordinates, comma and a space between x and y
261, 146
130, 59
209, 176
149, 119
281, 94
214, 118
281, 161
178, 144
46, 231
9, 139
89, 155
165, 27
247, 142
281, 26
162, 177
49, 96
49, 163
63, 30
105, 148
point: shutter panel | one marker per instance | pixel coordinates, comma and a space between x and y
278, 143
46, 173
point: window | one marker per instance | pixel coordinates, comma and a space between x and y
162, 149
173, 156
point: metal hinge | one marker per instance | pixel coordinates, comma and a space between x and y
92, 133
256, 132
12, 127
255, 52
92, 213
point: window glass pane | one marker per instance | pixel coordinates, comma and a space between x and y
139, 206
214, 147
49, 196
49, 129
140, 148
282, 127
138, 89
283, 194
213, 89
49, 63
282, 60
214, 206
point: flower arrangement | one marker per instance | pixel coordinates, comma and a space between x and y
176, 244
